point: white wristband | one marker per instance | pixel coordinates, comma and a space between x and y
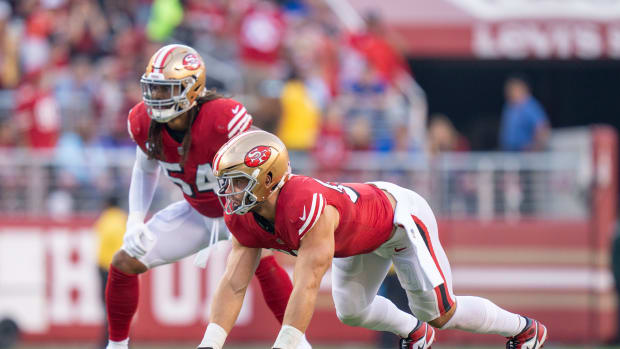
214, 337
288, 338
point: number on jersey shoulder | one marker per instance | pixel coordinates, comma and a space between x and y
342, 189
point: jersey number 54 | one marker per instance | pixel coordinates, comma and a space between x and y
205, 180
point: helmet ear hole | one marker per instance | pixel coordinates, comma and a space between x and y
268, 178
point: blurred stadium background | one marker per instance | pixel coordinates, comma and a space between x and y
409, 91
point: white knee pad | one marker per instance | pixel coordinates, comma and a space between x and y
353, 318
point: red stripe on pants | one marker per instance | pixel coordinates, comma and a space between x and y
444, 300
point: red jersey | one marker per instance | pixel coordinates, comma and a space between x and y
38, 114
366, 217
216, 122
261, 33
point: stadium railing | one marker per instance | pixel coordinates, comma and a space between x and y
529, 231
489, 185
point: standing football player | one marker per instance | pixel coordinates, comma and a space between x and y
357, 229
178, 127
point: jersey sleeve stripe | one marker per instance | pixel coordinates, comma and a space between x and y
236, 118
309, 218
318, 212
238, 127
246, 124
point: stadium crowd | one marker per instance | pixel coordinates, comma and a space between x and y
326, 85
70, 70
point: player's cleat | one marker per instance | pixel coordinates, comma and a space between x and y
533, 336
420, 338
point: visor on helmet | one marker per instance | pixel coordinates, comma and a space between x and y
233, 184
166, 98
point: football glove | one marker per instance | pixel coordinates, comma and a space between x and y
138, 239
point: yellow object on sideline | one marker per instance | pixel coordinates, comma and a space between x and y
110, 228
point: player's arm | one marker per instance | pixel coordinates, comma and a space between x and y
314, 258
144, 177
228, 298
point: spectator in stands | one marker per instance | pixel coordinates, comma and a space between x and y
82, 164
460, 193
442, 136
327, 54
34, 43
366, 99
524, 127
8, 134
383, 49
211, 26
12, 179
261, 36
524, 124
37, 112
165, 16
359, 134
301, 115
9, 70
116, 135
331, 152
109, 98
110, 229
76, 90
310, 51
87, 28
78, 60
405, 107
131, 54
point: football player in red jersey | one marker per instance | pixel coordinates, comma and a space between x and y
359, 230
178, 127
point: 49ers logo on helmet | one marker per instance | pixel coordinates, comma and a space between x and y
191, 62
257, 156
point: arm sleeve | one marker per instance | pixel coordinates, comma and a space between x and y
142, 188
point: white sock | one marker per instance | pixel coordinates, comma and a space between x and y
124, 344
304, 344
480, 315
383, 315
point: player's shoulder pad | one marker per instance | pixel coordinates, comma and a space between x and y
138, 123
230, 116
304, 204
